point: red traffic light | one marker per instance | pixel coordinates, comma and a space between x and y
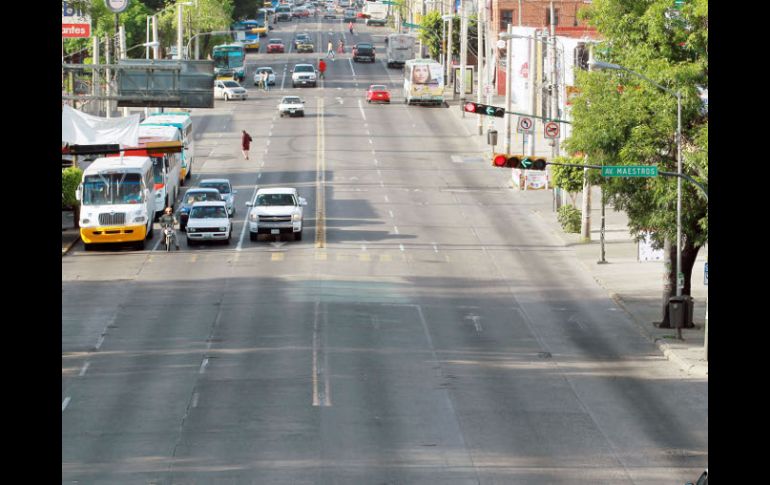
470, 107
500, 160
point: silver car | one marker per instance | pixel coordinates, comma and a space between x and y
270, 75
225, 189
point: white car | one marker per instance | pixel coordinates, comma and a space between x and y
228, 90
291, 105
208, 221
270, 75
276, 211
303, 74
225, 189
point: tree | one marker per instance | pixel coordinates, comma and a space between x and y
70, 179
431, 34
620, 119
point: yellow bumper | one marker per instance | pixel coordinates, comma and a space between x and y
113, 234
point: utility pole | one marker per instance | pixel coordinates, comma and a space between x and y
463, 48
95, 85
156, 48
532, 78
108, 59
554, 81
449, 50
122, 43
479, 59
508, 84
519, 13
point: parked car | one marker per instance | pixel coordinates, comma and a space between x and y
208, 221
275, 46
330, 13
363, 51
303, 74
225, 190
291, 105
228, 90
378, 92
193, 195
276, 211
270, 75
350, 15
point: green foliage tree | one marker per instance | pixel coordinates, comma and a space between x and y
569, 179
70, 179
620, 119
206, 16
430, 33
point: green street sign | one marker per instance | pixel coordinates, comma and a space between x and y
411, 26
630, 171
387, 2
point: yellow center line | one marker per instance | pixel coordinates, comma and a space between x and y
320, 191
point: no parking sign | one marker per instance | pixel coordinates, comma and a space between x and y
551, 130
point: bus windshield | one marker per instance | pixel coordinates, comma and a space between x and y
112, 188
228, 58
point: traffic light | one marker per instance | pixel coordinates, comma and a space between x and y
484, 109
529, 162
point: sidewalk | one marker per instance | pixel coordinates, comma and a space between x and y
636, 287
69, 235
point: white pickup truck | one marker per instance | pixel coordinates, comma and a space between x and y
276, 211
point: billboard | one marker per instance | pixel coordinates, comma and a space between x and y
74, 23
427, 79
156, 83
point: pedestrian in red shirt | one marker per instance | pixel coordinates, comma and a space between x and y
245, 143
321, 68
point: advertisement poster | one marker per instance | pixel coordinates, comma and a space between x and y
468, 80
534, 179
427, 80
521, 94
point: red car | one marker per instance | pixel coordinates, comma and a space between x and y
275, 45
378, 92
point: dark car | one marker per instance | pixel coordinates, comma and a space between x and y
350, 15
195, 194
299, 39
363, 51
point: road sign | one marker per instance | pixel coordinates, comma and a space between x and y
525, 124
630, 171
551, 130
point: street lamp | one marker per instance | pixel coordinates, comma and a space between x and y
216, 32
678, 94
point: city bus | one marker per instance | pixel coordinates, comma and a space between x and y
229, 57
166, 167
182, 121
248, 32
117, 201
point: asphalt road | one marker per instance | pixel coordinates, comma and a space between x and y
427, 329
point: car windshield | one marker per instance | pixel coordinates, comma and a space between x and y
265, 69
208, 212
378, 88
222, 187
275, 199
201, 197
292, 101
304, 68
276, 41
231, 84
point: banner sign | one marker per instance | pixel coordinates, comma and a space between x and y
74, 23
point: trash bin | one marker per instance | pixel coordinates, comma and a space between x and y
492, 137
680, 311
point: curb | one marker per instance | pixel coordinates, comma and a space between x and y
668, 351
69, 246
